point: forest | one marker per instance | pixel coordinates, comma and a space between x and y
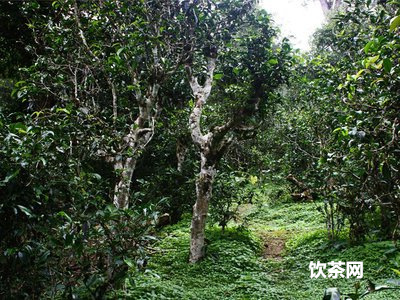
187, 149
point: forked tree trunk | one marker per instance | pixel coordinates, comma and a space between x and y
211, 146
124, 167
142, 130
136, 140
207, 169
200, 209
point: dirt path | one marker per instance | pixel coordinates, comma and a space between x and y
273, 241
273, 246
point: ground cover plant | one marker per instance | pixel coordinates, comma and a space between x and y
186, 149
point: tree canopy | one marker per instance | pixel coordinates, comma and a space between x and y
119, 118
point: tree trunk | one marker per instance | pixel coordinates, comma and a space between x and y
123, 183
181, 150
136, 141
207, 165
326, 6
200, 209
337, 4
330, 5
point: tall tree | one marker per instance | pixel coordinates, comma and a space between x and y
107, 60
241, 85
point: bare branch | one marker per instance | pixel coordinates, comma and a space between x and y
114, 99
201, 94
81, 34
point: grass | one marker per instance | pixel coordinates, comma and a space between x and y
235, 267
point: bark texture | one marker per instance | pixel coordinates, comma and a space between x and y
211, 145
181, 150
207, 168
123, 183
126, 153
200, 209
135, 141
330, 5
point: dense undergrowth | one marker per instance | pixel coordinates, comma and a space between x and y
235, 267
96, 154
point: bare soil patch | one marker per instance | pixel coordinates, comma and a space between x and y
273, 246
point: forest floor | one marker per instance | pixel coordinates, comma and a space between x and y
266, 258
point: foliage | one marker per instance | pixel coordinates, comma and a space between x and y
87, 86
232, 258
235, 269
230, 191
61, 236
337, 130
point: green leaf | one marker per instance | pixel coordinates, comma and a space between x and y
372, 60
119, 51
273, 61
37, 114
64, 110
18, 127
132, 88
394, 23
11, 176
56, 4
44, 162
387, 65
218, 76
97, 176
253, 179
130, 263
337, 130
65, 215
368, 46
355, 77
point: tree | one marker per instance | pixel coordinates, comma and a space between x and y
341, 119
241, 40
330, 5
127, 47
